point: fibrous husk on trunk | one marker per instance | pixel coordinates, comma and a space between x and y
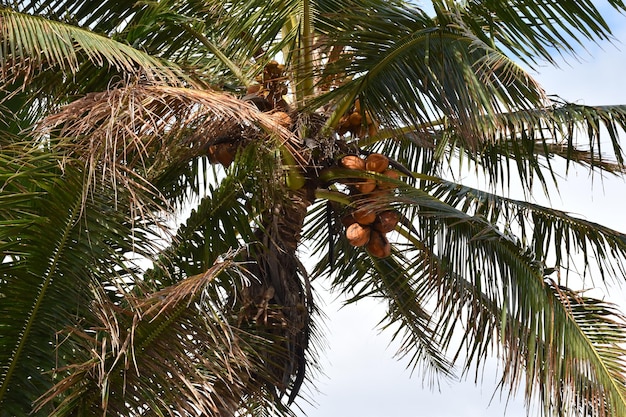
280, 302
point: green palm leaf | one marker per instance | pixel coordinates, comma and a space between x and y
533, 30
104, 16
533, 140
53, 249
416, 72
30, 43
534, 145
554, 236
503, 270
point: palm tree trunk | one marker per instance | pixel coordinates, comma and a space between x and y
279, 304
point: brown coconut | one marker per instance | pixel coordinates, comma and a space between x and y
223, 153
365, 185
345, 121
358, 235
253, 88
386, 221
378, 245
353, 162
389, 173
372, 129
355, 119
376, 162
364, 216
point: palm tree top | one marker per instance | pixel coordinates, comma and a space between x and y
339, 127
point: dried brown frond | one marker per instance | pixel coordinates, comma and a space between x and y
183, 292
171, 352
130, 135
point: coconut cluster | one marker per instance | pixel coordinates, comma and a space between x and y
352, 122
270, 88
267, 94
368, 224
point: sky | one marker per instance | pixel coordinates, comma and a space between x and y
363, 379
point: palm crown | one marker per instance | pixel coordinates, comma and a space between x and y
279, 125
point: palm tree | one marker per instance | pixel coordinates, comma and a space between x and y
279, 126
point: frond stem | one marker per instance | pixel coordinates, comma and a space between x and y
236, 71
307, 58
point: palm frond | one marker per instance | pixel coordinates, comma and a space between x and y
193, 38
278, 299
187, 33
594, 384
226, 44
533, 30
171, 351
415, 72
259, 27
104, 16
404, 286
504, 270
481, 259
535, 145
54, 246
534, 333
225, 218
132, 135
30, 44
532, 140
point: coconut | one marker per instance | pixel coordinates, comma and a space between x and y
376, 162
341, 130
365, 185
353, 162
358, 235
253, 88
389, 173
364, 216
355, 119
225, 153
378, 245
392, 173
372, 129
386, 221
